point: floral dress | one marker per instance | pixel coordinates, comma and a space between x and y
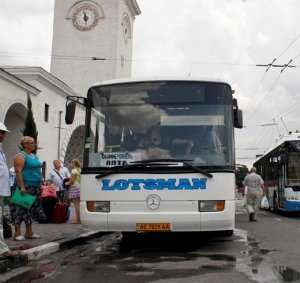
32, 178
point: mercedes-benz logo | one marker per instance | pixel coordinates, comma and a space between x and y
153, 202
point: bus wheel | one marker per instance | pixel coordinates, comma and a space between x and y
227, 233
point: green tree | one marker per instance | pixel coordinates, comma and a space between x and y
240, 173
30, 126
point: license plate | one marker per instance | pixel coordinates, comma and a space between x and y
153, 227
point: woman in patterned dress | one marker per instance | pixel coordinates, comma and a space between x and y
29, 178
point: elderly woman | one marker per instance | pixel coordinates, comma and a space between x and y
29, 177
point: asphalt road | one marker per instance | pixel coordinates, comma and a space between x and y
264, 251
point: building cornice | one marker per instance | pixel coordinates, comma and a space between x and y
18, 82
133, 7
42, 75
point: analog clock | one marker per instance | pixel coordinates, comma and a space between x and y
85, 17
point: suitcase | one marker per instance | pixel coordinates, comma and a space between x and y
60, 213
48, 205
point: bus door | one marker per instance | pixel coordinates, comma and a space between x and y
281, 183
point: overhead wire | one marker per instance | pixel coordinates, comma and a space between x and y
103, 58
277, 79
294, 106
265, 96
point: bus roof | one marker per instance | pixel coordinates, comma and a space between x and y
153, 79
289, 137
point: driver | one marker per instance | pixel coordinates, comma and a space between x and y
152, 145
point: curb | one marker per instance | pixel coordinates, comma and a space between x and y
38, 252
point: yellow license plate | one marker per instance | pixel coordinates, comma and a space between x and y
153, 227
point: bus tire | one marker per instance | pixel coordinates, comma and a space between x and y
227, 233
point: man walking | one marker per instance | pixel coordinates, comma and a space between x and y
254, 184
4, 191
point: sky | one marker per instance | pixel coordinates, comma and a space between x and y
221, 39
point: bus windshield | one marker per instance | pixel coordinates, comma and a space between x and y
141, 121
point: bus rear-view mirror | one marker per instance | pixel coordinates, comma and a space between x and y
70, 112
238, 119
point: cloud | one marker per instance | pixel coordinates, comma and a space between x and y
203, 38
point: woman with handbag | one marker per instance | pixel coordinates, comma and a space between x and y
74, 190
29, 178
58, 175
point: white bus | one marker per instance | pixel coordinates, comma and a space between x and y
162, 156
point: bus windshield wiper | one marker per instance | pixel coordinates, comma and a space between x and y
152, 163
171, 161
135, 165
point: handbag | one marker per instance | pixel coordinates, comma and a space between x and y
22, 199
48, 192
64, 180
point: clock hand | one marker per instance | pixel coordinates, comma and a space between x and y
85, 17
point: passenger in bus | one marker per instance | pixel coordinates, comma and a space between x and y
152, 146
254, 193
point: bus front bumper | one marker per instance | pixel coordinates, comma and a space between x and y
180, 221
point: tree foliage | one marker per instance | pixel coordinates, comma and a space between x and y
240, 173
30, 126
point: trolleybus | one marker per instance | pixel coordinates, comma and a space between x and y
280, 169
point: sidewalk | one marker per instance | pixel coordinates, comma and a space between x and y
48, 233
54, 237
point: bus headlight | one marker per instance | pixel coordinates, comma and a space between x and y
98, 206
211, 205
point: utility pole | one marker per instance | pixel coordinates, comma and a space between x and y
59, 134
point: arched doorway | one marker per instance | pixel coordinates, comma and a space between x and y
75, 146
15, 122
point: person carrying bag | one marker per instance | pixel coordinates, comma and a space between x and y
28, 170
59, 175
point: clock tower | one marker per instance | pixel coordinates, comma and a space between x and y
92, 41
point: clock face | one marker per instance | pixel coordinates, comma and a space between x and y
85, 17
126, 27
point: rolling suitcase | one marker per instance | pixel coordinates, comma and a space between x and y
60, 212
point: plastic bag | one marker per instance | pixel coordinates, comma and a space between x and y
264, 203
71, 213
